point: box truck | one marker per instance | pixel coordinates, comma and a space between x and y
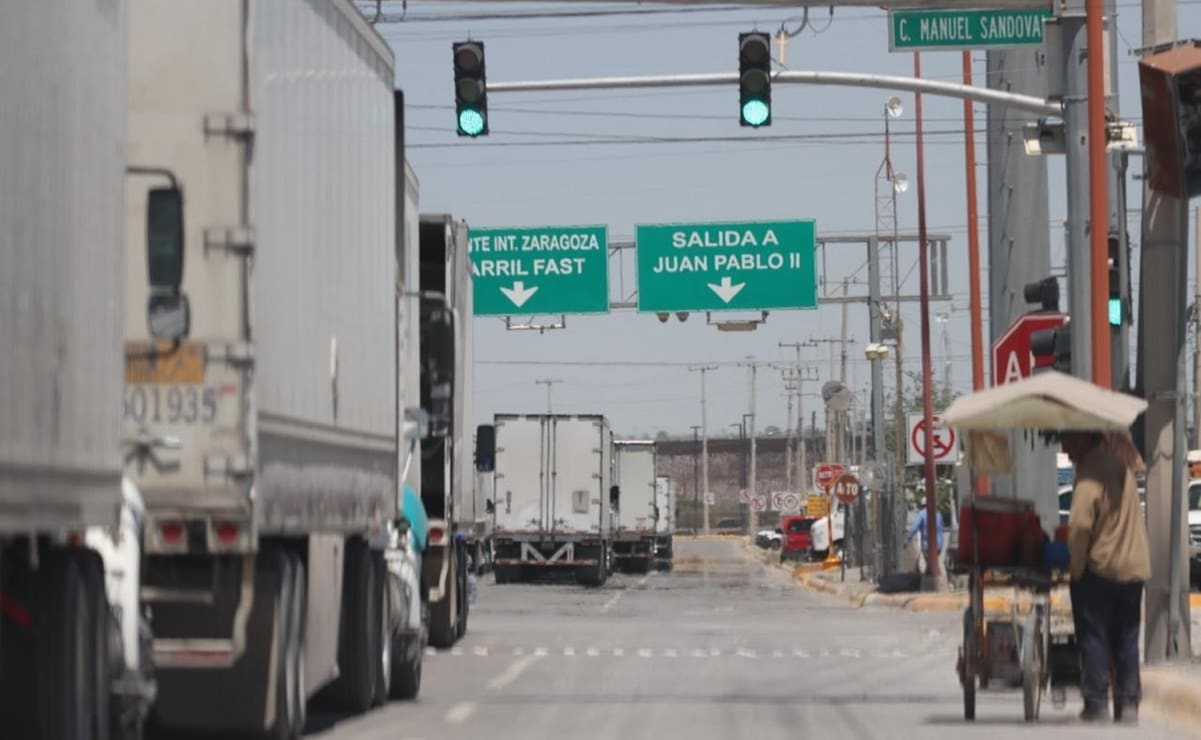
637, 510
74, 662
553, 486
271, 434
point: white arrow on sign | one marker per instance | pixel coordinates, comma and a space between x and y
726, 291
519, 294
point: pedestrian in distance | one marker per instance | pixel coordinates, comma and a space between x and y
919, 525
1110, 563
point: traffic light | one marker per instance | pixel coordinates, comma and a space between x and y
471, 94
1044, 292
754, 79
1116, 303
1171, 92
1052, 348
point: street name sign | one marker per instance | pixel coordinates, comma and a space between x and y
1011, 356
744, 266
933, 30
540, 270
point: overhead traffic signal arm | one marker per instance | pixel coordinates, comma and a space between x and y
471, 89
754, 79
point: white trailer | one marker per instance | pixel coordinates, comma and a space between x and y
665, 527
637, 510
72, 661
270, 444
448, 487
553, 476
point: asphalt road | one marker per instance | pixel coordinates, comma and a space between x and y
722, 647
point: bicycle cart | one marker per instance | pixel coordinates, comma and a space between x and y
1001, 540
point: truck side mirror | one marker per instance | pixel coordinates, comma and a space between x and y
614, 496
490, 506
485, 448
168, 314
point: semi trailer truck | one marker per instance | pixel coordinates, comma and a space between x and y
271, 402
637, 511
74, 660
553, 485
448, 481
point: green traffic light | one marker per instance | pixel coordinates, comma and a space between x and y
755, 112
1115, 311
471, 122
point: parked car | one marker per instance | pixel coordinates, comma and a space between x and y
798, 542
769, 539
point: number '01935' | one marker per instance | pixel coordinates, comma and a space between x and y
170, 404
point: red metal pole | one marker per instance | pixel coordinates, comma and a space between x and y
973, 233
927, 394
1098, 194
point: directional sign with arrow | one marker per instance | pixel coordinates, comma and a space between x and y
545, 269
726, 266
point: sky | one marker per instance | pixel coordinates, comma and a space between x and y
558, 158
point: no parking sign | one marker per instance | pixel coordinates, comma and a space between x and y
946, 446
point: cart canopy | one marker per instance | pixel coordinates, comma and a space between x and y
1050, 402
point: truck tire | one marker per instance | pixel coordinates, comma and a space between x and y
283, 567
93, 573
408, 651
384, 665
446, 613
464, 597
592, 575
508, 573
65, 650
298, 630
358, 638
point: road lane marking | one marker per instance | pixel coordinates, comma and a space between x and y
513, 672
618, 652
593, 653
745, 653
540, 652
777, 654
612, 601
670, 653
460, 712
645, 653
481, 651
799, 653
698, 653
431, 651
715, 652
568, 652
518, 652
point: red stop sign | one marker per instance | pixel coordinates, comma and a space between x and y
1011, 358
827, 474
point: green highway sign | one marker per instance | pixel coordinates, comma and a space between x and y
913, 30
542, 269
748, 266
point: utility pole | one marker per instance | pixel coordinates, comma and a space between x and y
1197, 338
799, 376
704, 440
843, 374
695, 478
789, 389
753, 486
548, 383
1162, 297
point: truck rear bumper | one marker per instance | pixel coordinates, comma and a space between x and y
548, 553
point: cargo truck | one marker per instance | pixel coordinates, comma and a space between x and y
74, 660
637, 511
448, 483
272, 434
665, 526
553, 486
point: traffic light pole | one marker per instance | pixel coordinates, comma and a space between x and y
800, 77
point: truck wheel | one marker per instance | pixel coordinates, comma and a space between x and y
297, 631
93, 573
507, 573
383, 682
358, 639
284, 602
464, 595
407, 654
594, 574
65, 651
442, 612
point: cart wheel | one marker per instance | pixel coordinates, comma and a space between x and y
971, 658
1032, 664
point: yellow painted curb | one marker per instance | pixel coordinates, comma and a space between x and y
1194, 600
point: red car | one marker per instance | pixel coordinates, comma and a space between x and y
797, 544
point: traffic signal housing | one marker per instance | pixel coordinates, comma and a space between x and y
754, 79
1044, 292
1170, 82
471, 89
1052, 348
1117, 303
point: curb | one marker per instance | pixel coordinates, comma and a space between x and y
1173, 696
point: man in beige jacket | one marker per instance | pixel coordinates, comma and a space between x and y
1110, 563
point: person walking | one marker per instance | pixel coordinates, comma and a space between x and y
919, 525
1110, 563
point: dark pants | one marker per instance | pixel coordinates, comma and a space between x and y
1107, 616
